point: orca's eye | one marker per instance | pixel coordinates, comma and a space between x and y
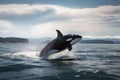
69, 39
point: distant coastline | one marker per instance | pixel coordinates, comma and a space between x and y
84, 41
13, 40
100, 41
97, 41
46, 40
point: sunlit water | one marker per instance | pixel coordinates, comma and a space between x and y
91, 62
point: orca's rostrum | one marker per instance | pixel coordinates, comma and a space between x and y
61, 43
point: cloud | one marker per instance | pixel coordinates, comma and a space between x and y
69, 27
98, 14
5, 24
21, 9
99, 37
84, 21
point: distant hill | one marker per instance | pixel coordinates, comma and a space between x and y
100, 41
97, 41
13, 40
46, 40
83, 41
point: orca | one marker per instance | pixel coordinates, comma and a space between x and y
60, 43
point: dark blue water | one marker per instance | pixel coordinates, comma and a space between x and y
91, 62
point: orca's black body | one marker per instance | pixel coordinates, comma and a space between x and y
60, 43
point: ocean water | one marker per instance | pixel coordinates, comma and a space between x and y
91, 62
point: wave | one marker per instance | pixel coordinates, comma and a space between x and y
22, 54
81, 51
82, 75
35, 54
15, 67
62, 55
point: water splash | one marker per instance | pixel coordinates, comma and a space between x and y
35, 54
22, 54
63, 55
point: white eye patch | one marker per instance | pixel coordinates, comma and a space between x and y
75, 41
69, 39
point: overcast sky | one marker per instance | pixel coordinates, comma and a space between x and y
40, 18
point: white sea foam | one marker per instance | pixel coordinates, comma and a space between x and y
29, 54
35, 54
62, 55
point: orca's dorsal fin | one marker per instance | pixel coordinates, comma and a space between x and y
59, 34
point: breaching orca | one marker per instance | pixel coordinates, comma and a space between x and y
62, 42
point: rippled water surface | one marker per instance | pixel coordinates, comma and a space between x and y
91, 62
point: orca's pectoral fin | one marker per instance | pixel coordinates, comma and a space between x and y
59, 34
69, 47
